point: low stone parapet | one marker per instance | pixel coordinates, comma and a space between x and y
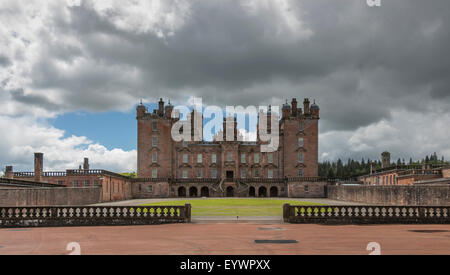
92, 215
330, 214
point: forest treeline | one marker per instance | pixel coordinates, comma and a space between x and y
351, 168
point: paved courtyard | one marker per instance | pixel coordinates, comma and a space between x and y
226, 238
146, 201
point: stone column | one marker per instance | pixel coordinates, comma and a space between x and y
38, 166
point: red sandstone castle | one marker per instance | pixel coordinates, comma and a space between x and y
160, 157
234, 162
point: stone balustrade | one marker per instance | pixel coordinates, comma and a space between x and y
329, 214
92, 215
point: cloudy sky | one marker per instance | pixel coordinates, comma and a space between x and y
72, 72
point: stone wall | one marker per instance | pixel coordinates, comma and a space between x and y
50, 196
307, 189
392, 195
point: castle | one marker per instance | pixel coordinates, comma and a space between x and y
235, 162
231, 168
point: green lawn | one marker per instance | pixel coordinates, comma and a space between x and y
234, 207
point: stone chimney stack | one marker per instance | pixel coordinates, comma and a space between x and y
294, 107
38, 166
86, 164
306, 106
9, 174
160, 107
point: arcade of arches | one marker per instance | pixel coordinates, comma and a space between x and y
230, 191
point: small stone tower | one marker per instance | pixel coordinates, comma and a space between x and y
385, 159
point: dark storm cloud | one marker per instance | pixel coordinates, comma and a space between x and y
4, 61
33, 100
359, 62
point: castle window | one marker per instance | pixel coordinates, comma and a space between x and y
155, 126
155, 157
256, 175
300, 173
154, 173
150, 189
300, 142
140, 187
155, 142
306, 188
300, 126
213, 158
199, 158
256, 158
185, 144
185, 158
213, 173
270, 158
75, 183
270, 174
230, 156
243, 158
60, 182
87, 183
199, 173
243, 174
185, 174
300, 158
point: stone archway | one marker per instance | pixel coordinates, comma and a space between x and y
193, 192
204, 192
181, 192
262, 191
252, 192
274, 191
230, 191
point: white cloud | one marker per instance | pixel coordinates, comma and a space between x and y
24, 136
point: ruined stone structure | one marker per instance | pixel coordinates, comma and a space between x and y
228, 168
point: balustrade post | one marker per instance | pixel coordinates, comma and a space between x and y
187, 212
286, 207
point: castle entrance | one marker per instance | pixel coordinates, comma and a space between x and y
230, 175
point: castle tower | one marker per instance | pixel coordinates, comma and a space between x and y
385, 159
232, 125
9, 174
300, 141
86, 164
154, 141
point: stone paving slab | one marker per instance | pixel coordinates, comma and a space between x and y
238, 219
229, 239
